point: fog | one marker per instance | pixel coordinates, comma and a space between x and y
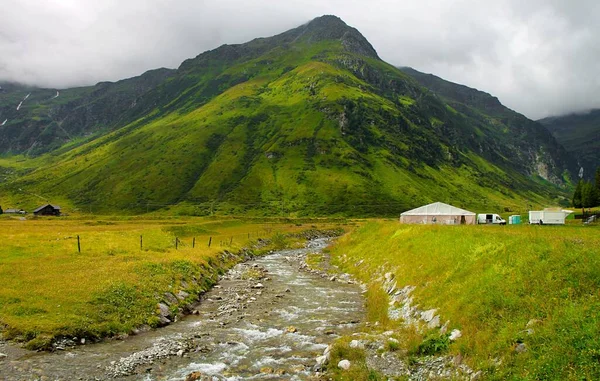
538, 57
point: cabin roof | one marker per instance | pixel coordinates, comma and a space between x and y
56, 207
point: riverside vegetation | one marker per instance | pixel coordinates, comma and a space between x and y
51, 291
526, 298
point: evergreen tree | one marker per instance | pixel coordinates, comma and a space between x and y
577, 202
589, 196
598, 181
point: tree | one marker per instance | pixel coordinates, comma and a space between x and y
589, 195
577, 203
598, 181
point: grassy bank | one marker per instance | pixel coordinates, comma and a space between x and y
501, 286
50, 289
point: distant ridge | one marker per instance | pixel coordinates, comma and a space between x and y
580, 134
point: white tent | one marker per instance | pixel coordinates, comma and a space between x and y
438, 213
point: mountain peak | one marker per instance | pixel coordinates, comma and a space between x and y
331, 27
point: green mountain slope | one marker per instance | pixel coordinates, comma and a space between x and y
523, 144
307, 122
48, 118
580, 135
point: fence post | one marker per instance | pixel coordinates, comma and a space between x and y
209, 241
194, 242
78, 244
141, 242
176, 243
230, 241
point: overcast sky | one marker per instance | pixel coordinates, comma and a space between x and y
540, 57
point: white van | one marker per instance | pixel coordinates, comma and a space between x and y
490, 219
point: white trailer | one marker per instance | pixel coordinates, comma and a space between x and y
490, 219
548, 217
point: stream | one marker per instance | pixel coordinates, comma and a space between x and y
270, 326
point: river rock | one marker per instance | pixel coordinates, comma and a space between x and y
164, 310
321, 360
170, 299
455, 334
181, 295
344, 364
434, 323
267, 370
357, 344
164, 314
258, 285
3, 355
291, 329
327, 352
428, 315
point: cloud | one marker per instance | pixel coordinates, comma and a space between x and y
539, 57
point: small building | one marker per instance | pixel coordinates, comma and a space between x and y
14, 211
47, 210
438, 213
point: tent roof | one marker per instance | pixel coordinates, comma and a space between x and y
438, 209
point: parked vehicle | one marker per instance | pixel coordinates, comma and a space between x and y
490, 219
548, 216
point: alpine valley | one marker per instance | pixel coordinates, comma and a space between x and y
308, 122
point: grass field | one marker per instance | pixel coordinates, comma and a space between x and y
500, 285
49, 289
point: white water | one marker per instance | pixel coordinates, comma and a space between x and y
3, 123
19, 106
57, 94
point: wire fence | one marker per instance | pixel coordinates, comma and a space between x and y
220, 240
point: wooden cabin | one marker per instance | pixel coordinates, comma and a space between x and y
47, 210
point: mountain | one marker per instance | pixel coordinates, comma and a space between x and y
526, 145
580, 135
308, 122
37, 120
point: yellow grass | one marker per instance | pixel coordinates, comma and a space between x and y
49, 289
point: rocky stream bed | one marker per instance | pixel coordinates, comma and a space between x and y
266, 319
273, 317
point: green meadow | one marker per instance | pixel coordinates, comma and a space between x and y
501, 286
